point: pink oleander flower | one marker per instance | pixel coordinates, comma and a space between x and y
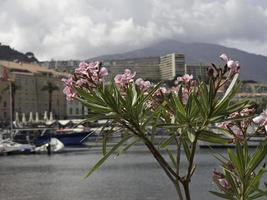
69, 92
86, 76
223, 125
246, 112
220, 181
261, 119
224, 57
124, 79
233, 66
103, 72
224, 183
217, 175
185, 95
161, 91
143, 85
185, 78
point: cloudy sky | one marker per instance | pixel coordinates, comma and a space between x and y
79, 29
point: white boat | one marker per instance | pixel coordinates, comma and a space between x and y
9, 147
55, 146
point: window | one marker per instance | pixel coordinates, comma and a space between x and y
4, 104
70, 111
77, 111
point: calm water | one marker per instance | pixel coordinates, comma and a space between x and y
132, 176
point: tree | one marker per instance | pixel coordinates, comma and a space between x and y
50, 88
13, 91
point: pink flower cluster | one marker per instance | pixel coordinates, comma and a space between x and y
237, 128
187, 81
87, 75
185, 78
220, 181
233, 66
143, 85
122, 80
162, 91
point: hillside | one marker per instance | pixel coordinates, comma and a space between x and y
6, 53
253, 67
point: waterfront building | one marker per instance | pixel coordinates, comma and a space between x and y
149, 68
199, 72
61, 65
30, 89
171, 66
256, 92
146, 68
76, 110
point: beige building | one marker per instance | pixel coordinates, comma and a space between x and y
76, 110
29, 92
171, 65
61, 65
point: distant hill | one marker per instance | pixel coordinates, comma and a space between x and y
6, 53
253, 67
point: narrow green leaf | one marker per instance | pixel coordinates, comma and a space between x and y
222, 195
191, 135
171, 158
167, 141
186, 149
235, 162
105, 157
209, 136
134, 141
229, 89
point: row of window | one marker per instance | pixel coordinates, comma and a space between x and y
77, 111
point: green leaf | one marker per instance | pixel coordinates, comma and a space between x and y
171, 158
212, 137
191, 135
132, 142
257, 157
167, 141
222, 195
105, 157
241, 159
229, 89
143, 99
235, 161
186, 149
134, 94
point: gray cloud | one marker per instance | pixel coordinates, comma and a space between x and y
66, 29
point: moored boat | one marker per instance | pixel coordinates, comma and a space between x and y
41, 136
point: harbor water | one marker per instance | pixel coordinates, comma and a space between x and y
132, 176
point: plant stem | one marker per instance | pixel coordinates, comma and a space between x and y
187, 190
172, 175
178, 153
187, 179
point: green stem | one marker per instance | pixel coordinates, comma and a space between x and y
163, 163
187, 179
187, 190
178, 154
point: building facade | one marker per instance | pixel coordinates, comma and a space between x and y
146, 68
29, 90
76, 110
171, 66
199, 72
61, 65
